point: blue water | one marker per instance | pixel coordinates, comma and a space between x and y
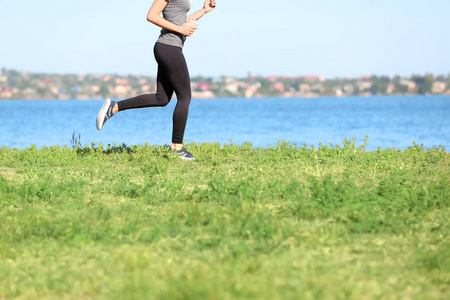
389, 121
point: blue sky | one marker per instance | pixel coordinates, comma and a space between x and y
330, 38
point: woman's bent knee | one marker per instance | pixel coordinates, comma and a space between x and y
163, 100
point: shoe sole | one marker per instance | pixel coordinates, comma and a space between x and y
181, 157
184, 158
102, 113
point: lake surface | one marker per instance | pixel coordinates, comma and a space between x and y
389, 121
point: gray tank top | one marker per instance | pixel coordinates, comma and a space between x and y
174, 12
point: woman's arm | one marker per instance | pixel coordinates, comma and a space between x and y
154, 16
207, 7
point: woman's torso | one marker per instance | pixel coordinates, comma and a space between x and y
175, 12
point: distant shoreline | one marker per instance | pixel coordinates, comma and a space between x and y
23, 85
245, 98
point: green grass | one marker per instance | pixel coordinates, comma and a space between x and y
286, 222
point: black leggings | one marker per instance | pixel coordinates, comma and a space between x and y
173, 76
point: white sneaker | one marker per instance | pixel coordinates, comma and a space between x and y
184, 154
105, 112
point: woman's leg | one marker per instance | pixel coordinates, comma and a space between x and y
173, 75
164, 91
172, 60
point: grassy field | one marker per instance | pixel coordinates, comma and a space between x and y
286, 222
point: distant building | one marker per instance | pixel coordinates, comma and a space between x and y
278, 86
234, 86
6, 93
202, 86
390, 88
410, 84
54, 90
121, 89
438, 87
252, 90
304, 88
318, 88
203, 94
364, 85
311, 78
95, 89
348, 89
146, 87
122, 81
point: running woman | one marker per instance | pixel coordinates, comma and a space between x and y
173, 74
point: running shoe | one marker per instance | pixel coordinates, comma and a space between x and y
184, 154
105, 112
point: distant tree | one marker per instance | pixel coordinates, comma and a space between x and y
201, 79
241, 91
43, 92
13, 77
424, 83
447, 79
290, 83
328, 86
103, 90
225, 93
440, 78
398, 87
379, 84
265, 86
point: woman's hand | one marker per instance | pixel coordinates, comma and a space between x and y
209, 5
188, 28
